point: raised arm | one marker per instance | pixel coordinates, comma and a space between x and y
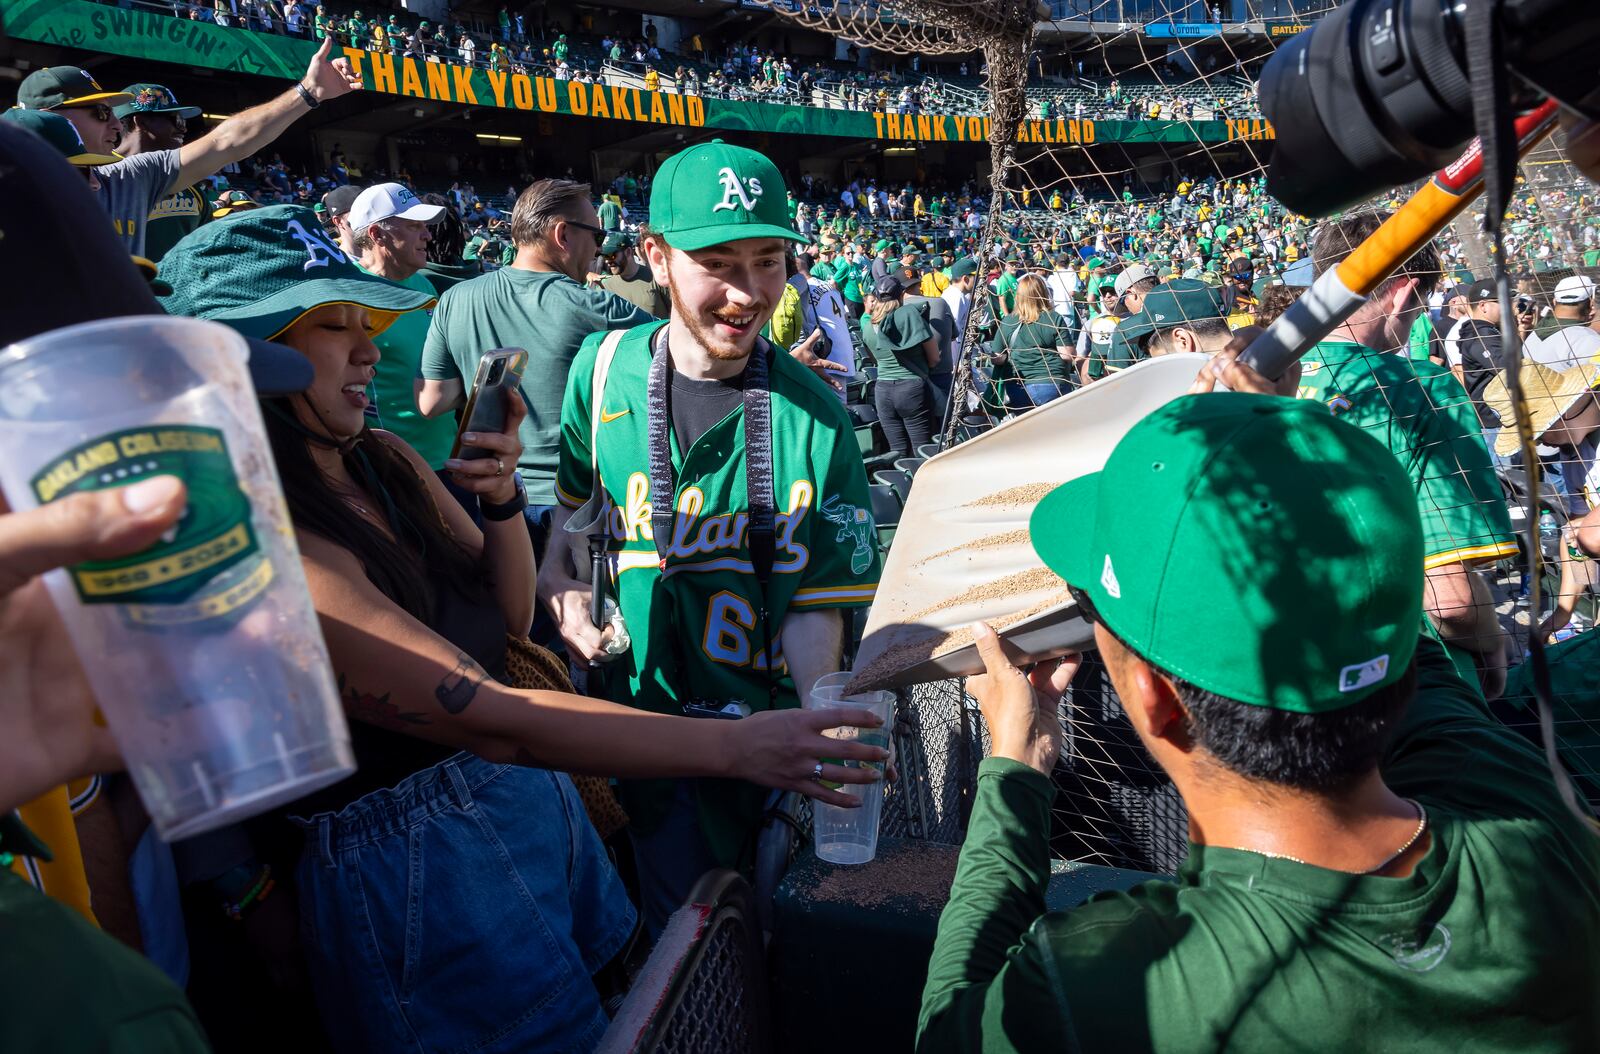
245, 133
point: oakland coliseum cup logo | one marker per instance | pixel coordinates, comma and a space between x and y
167, 583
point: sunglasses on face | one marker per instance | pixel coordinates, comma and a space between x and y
1086, 606
100, 110
598, 232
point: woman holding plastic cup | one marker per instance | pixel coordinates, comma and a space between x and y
454, 882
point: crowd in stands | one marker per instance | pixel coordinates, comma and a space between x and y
1288, 581
740, 71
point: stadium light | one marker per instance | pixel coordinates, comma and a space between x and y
500, 138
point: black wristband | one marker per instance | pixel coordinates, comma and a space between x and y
505, 510
305, 93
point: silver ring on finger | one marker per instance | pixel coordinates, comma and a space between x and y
499, 467
816, 772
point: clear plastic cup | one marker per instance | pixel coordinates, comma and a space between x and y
850, 836
203, 651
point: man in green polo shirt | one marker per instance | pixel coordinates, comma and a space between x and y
539, 303
1375, 862
392, 234
1361, 373
678, 453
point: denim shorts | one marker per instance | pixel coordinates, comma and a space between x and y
464, 909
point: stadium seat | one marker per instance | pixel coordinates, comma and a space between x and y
866, 440
886, 508
909, 465
862, 413
881, 462
927, 450
896, 479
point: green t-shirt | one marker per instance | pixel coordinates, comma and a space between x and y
1005, 291
1420, 341
848, 278
547, 314
897, 344
1487, 945
694, 627
610, 215
66, 986
1463, 512
393, 388
1032, 347
178, 214
1591, 258
474, 243
822, 271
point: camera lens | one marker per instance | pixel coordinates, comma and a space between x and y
1373, 96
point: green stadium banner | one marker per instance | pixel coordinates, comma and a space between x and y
164, 38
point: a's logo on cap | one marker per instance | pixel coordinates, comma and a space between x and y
746, 191
1357, 676
319, 251
1108, 579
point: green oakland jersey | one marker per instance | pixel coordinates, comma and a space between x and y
1463, 513
176, 215
694, 622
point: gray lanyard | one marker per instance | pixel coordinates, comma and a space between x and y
762, 515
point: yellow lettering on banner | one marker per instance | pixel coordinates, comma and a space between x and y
939, 132
522, 91
356, 57
658, 113
546, 89
438, 81
597, 102
619, 104
675, 109
891, 124
497, 84
577, 98
987, 124
461, 78
878, 117
697, 111
410, 80
382, 73
1088, 131
924, 127
638, 105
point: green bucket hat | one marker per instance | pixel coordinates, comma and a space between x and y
713, 193
153, 98
1181, 300
59, 133
1288, 544
260, 270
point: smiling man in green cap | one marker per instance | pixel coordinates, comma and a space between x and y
738, 519
1374, 862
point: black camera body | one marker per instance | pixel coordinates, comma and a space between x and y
1379, 93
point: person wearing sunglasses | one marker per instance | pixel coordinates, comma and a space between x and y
540, 302
153, 120
1375, 862
133, 188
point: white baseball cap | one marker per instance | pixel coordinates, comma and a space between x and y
388, 201
1574, 289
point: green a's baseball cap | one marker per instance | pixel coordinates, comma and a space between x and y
1181, 300
713, 193
615, 242
153, 98
963, 267
1096, 261
55, 86
880, 245
259, 271
59, 133
1286, 548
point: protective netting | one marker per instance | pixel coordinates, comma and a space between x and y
1136, 154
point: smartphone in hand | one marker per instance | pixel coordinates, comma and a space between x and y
499, 374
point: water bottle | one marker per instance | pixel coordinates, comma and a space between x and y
1549, 530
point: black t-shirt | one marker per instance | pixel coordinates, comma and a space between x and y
1479, 344
697, 405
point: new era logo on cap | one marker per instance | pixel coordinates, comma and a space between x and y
1108, 579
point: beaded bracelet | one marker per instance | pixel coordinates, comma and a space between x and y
255, 895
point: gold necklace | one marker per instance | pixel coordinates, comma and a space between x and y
1422, 825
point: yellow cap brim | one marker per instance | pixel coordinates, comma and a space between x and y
93, 160
110, 98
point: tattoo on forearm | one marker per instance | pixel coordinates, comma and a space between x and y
376, 709
460, 685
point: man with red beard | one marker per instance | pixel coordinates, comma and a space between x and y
737, 523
